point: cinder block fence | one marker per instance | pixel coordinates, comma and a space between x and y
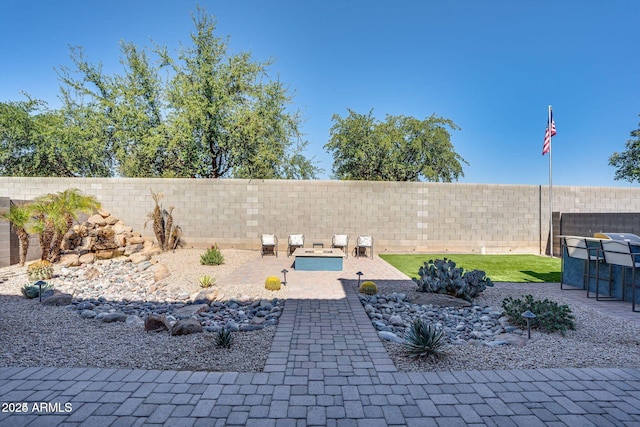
402, 216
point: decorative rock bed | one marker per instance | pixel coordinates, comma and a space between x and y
392, 314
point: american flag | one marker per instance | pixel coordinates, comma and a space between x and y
546, 147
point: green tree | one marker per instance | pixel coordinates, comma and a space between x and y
399, 149
36, 141
627, 163
205, 113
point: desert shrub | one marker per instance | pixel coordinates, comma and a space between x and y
550, 316
423, 339
368, 288
224, 338
40, 270
443, 277
272, 283
213, 256
206, 281
32, 290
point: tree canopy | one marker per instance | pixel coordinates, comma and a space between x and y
627, 163
204, 112
401, 148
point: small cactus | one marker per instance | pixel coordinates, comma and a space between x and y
272, 283
40, 270
368, 288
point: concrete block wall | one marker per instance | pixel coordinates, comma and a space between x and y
402, 217
5, 235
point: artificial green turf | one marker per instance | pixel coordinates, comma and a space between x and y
499, 268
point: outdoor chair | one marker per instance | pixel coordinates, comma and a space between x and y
269, 244
341, 241
295, 241
578, 248
362, 243
619, 253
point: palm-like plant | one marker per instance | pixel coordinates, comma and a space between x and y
47, 218
19, 217
54, 216
71, 203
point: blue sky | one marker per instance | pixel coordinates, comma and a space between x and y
492, 67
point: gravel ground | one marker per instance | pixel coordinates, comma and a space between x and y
36, 335
597, 341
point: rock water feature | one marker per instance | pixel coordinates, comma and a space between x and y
392, 314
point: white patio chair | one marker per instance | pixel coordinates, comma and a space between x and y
341, 241
295, 241
362, 243
269, 243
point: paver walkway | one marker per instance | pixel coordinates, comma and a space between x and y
326, 367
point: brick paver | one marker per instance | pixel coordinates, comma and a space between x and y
326, 367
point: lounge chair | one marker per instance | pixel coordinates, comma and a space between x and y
341, 241
362, 243
269, 244
295, 241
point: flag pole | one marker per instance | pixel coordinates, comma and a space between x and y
549, 126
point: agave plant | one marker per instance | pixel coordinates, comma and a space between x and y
224, 338
422, 339
32, 290
206, 281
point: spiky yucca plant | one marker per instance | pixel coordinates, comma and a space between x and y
423, 339
157, 219
206, 281
224, 338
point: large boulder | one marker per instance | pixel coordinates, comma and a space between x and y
70, 260
156, 323
139, 257
160, 271
87, 258
186, 327
190, 310
96, 220
58, 299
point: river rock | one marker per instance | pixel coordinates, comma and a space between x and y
160, 271
139, 257
390, 336
190, 310
58, 298
134, 320
114, 317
